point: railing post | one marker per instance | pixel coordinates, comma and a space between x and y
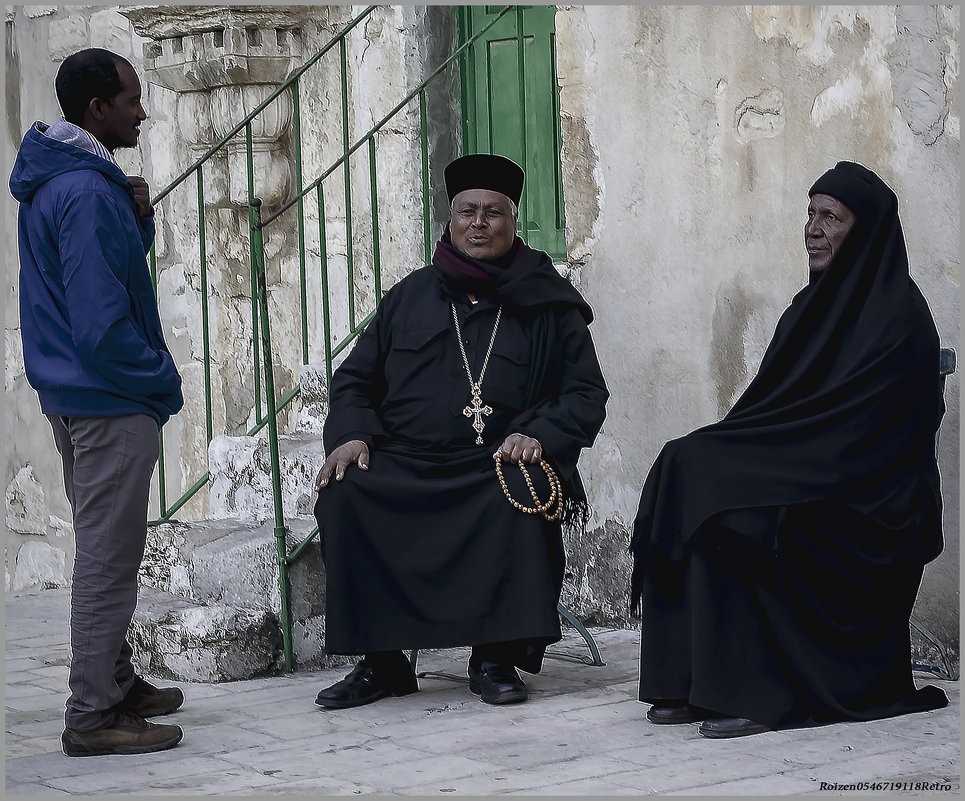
323, 277
256, 358
374, 200
281, 534
347, 179
161, 482
424, 148
205, 338
302, 279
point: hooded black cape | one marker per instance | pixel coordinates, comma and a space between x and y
423, 550
789, 538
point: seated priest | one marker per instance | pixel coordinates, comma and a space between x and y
778, 553
453, 433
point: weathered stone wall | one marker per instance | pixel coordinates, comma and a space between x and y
691, 136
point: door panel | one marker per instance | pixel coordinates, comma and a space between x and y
494, 112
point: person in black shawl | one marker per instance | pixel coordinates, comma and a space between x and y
484, 352
778, 552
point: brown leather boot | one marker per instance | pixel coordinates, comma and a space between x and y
146, 700
126, 734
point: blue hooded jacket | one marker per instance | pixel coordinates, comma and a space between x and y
92, 339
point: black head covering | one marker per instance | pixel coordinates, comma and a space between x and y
856, 186
484, 171
846, 404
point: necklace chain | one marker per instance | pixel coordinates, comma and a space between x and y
476, 409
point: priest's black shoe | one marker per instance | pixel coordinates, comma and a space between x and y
722, 728
497, 684
667, 713
364, 686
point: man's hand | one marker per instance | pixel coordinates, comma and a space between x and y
352, 452
142, 196
519, 448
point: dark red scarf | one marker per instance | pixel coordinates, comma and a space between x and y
523, 279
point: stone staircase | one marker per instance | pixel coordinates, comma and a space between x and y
209, 599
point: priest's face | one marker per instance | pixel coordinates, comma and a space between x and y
829, 221
483, 224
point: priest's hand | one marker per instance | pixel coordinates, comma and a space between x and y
352, 452
520, 448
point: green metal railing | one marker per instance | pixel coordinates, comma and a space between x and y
197, 169
267, 406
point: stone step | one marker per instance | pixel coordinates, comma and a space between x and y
230, 564
240, 469
227, 561
177, 639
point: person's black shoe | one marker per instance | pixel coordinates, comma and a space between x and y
667, 713
362, 686
126, 733
497, 684
146, 700
722, 728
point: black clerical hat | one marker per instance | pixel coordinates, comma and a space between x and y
484, 171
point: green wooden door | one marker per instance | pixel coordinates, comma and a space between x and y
494, 109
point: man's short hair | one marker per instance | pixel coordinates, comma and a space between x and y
85, 75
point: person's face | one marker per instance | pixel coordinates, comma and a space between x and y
482, 225
119, 119
829, 221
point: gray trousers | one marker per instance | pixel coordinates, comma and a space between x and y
108, 463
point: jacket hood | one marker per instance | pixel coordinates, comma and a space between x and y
41, 158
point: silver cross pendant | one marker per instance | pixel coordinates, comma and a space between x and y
476, 410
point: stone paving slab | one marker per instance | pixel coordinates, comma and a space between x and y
24, 663
581, 733
235, 781
16, 790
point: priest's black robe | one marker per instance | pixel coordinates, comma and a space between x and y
778, 552
423, 550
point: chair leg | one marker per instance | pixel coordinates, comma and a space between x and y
574, 621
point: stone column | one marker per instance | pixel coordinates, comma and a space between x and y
223, 62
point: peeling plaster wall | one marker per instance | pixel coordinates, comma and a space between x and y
691, 135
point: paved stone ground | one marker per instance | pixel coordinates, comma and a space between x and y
581, 733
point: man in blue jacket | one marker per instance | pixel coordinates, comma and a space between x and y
94, 351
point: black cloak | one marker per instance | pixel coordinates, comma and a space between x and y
423, 550
778, 552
